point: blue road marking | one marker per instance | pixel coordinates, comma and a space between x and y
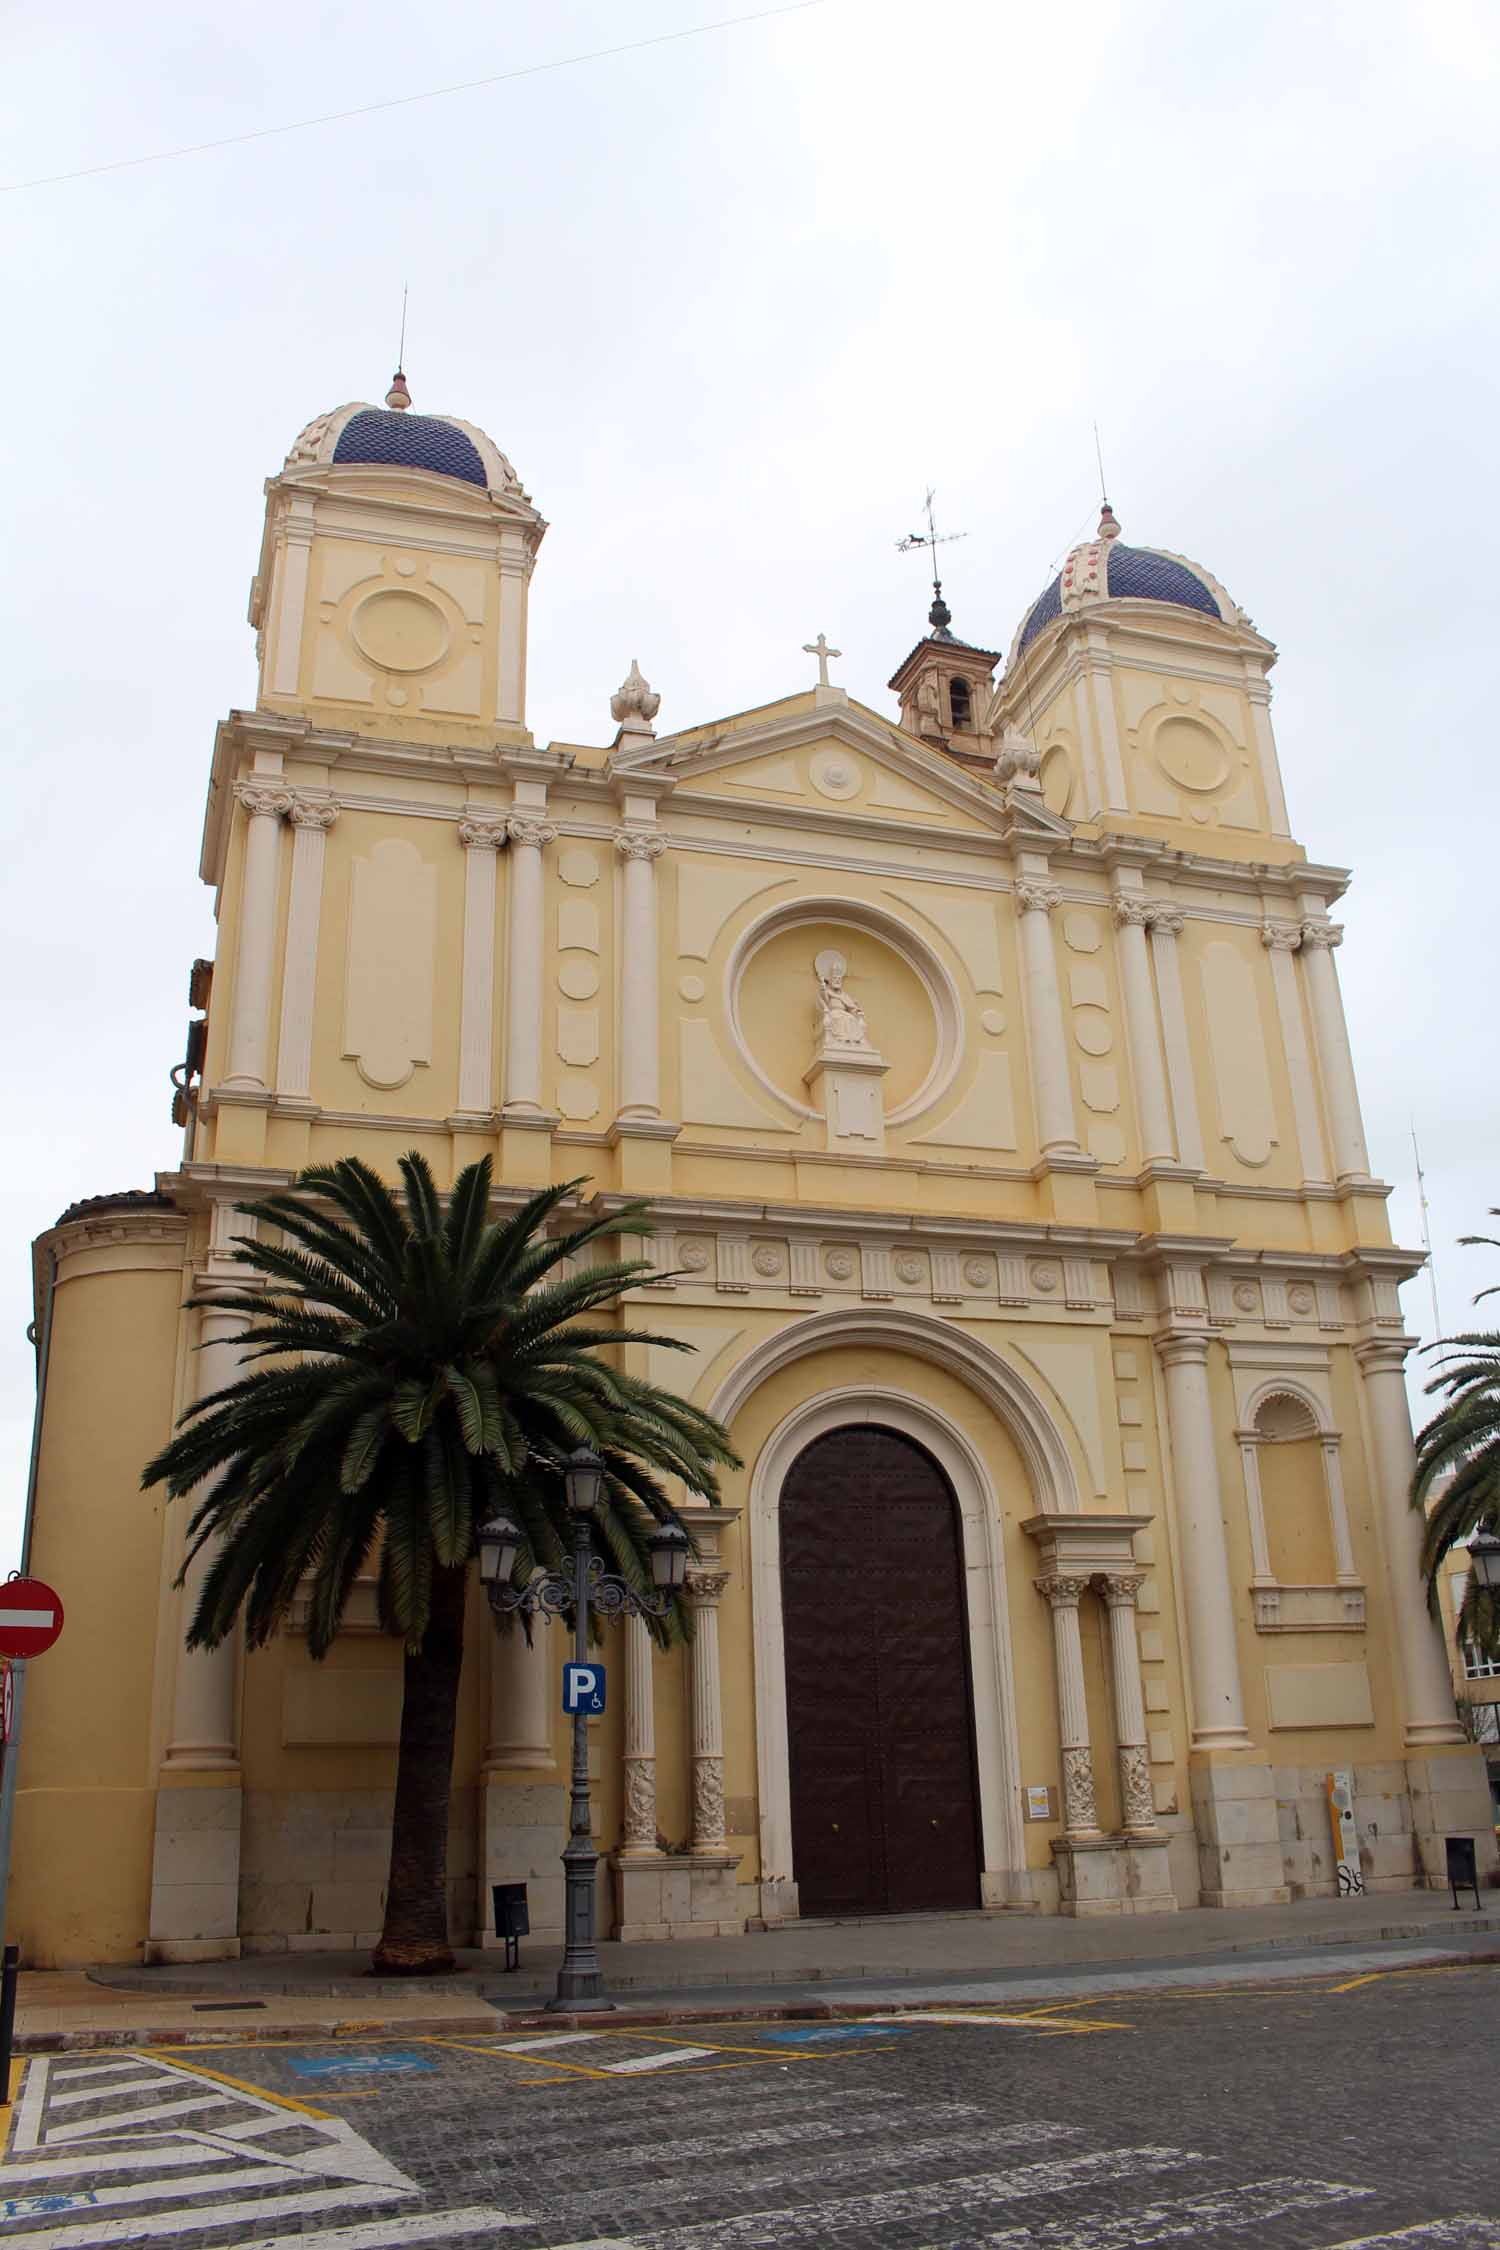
45, 2206
382, 2059
808, 2035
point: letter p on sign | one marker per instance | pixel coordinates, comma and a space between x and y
583, 1689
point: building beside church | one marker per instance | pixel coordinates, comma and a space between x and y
983, 1061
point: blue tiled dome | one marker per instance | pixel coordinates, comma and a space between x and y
409, 441
1107, 570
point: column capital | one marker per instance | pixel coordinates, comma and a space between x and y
1120, 1587
482, 833
639, 843
264, 798
1061, 1592
1129, 909
1165, 920
1281, 937
1323, 934
704, 1587
521, 828
1182, 1347
1037, 898
313, 812
1383, 1355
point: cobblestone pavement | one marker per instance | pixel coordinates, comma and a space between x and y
1353, 2110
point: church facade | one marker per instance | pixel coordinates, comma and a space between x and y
983, 1062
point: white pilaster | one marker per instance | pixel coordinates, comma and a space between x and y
640, 1007
1102, 693
1152, 1109
640, 1742
515, 578
1080, 1813
1426, 1685
706, 1714
1056, 1126
1281, 940
1166, 925
1338, 1513
481, 838
523, 1046
1119, 1589
249, 1021
1350, 1159
1213, 1656
1255, 1510
1258, 695
291, 610
311, 818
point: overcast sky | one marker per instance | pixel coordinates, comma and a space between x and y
729, 303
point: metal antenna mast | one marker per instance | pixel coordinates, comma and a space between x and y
939, 617
1437, 1318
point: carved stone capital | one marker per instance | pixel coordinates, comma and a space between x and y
1281, 937
1038, 898
1327, 934
704, 1587
1169, 920
482, 835
640, 843
263, 799
313, 812
1120, 1587
1129, 910
1061, 1592
521, 829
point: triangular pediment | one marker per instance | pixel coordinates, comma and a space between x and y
836, 762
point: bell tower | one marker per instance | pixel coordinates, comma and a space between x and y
394, 573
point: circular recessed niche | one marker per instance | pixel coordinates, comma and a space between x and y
993, 1020
1056, 778
835, 774
400, 631
911, 1010
1189, 755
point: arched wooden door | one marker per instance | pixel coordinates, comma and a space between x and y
885, 1816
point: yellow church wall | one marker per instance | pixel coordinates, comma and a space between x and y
86, 1793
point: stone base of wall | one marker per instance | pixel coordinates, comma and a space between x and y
677, 1894
523, 1828
1113, 1875
314, 1865
196, 1874
1239, 1842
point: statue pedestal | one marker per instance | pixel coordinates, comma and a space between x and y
847, 1082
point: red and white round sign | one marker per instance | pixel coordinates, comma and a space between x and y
31, 1617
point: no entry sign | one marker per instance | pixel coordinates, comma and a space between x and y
31, 1617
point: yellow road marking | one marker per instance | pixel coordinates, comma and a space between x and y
222, 2078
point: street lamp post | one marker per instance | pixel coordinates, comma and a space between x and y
583, 1589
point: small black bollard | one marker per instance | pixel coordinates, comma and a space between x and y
1463, 1870
512, 1919
8, 2015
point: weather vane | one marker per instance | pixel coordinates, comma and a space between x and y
939, 617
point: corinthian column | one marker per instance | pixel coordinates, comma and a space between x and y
1350, 1158
1281, 940
640, 1063
1426, 1685
1080, 1814
249, 1022
1213, 1656
523, 1044
640, 1742
1119, 1589
1131, 914
481, 840
1044, 1020
311, 819
1166, 925
706, 1711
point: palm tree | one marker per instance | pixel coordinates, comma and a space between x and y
1457, 1483
425, 1372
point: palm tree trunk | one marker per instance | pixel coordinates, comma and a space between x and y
414, 1941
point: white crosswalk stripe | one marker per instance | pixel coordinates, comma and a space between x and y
1465, 2231
659, 2061
1185, 2219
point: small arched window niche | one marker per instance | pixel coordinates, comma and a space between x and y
1303, 1578
960, 705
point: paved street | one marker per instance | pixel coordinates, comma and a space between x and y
1354, 2109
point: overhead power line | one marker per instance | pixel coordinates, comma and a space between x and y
406, 101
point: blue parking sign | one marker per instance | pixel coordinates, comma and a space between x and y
583, 1689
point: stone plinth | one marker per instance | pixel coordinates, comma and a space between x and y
846, 1080
523, 1827
1239, 1836
677, 1895
1113, 1875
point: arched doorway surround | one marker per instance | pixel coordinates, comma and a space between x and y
1054, 1486
880, 1730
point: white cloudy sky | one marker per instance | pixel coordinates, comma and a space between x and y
730, 303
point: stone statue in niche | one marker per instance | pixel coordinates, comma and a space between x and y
841, 1019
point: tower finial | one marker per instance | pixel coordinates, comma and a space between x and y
398, 396
939, 617
1108, 527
